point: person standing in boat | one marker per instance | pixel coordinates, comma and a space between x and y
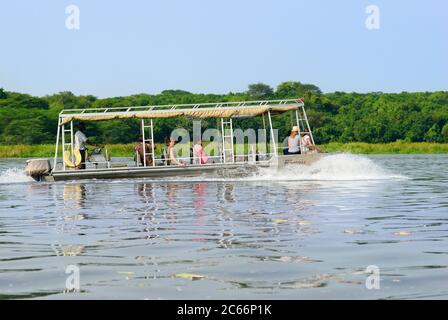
294, 141
81, 141
172, 159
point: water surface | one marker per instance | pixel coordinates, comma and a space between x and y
300, 234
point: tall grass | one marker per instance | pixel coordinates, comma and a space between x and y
127, 150
387, 148
25, 151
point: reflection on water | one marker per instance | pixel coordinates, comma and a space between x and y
249, 239
74, 196
226, 190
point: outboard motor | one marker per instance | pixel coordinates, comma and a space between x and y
37, 168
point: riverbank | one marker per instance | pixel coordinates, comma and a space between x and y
126, 150
387, 148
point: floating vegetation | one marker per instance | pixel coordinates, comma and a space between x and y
190, 276
348, 231
403, 233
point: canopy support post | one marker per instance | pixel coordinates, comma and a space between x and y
144, 143
229, 137
300, 129
150, 140
307, 124
57, 145
272, 134
63, 146
265, 135
72, 146
152, 146
223, 141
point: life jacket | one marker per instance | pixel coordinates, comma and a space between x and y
72, 160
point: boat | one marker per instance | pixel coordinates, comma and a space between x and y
100, 164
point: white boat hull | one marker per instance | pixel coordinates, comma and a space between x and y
159, 172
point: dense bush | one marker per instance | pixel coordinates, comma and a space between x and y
335, 117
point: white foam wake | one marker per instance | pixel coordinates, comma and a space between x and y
14, 175
335, 167
332, 167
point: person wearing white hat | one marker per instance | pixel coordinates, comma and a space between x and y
294, 141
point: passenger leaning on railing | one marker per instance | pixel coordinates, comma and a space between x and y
172, 159
307, 144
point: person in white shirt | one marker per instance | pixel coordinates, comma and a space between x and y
293, 141
80, 143
307, 144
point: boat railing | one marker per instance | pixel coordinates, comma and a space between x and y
214, 159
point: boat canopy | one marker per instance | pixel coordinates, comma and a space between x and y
201, 110
225, 111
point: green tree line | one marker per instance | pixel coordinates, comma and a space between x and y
374, 117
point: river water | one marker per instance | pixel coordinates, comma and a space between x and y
322, 232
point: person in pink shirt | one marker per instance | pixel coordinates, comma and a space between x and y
198, 153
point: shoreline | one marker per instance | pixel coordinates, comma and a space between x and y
126, 150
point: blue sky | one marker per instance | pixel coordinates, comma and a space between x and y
212, 46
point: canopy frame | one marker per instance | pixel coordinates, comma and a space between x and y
199, 110
218, 110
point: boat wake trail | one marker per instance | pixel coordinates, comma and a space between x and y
333, 167
14, 175
337, 167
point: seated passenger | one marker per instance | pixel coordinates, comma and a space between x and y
172, 160
294, 141
140, 154
165, 151
307, 144
285, 143
199, 155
